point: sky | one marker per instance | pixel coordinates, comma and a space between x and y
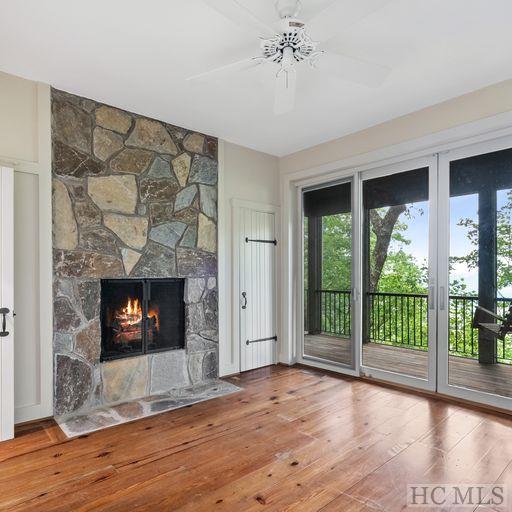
460, 207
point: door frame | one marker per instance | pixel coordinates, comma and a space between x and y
7, 300
40, 168
429, 161
445, 158
236, 205
352, 369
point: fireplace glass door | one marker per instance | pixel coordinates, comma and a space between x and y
140, 316
166, 311
122, 315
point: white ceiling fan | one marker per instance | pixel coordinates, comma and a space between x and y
289, 41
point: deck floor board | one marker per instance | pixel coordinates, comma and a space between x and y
462, 372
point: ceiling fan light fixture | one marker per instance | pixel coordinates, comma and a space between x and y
298, 40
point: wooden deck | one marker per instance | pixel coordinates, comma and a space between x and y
292, 440
462, 372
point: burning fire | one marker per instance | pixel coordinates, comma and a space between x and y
131, 314
129, 322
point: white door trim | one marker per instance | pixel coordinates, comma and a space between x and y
41, 167
7, 301
236, 205
444, 281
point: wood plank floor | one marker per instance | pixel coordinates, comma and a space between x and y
462, 372
292, 440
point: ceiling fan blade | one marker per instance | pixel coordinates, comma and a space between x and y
286, 81
240, 15
338, 15
352, 69
232, 67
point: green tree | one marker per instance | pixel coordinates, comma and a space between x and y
391, 270
394, 271
337, 251
503, 242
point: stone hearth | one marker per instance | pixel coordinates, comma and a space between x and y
132, 197
103, 417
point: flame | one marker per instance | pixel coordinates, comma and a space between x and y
153, 313
131, 314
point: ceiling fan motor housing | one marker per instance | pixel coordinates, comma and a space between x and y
291, 35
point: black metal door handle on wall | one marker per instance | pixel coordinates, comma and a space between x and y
247, 240
244, 305
272, 338
4, 311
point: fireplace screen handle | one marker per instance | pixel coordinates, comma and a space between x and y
3, 312
244, 296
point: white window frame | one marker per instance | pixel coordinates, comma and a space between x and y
347, 369
429, 161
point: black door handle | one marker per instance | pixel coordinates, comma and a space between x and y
3, 312
244, 305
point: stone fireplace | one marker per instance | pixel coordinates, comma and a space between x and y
134, 200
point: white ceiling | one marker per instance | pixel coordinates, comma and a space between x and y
137, 54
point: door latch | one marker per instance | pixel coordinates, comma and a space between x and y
4, 312
244, 296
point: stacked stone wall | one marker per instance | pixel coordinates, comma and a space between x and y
132, 197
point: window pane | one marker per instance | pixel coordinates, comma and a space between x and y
328, 273
480, 270
396, 231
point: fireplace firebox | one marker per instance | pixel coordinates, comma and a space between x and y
141, 316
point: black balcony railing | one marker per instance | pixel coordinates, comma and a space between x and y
398, 319
401, 319
336, 312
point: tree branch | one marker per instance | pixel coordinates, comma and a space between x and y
383, 229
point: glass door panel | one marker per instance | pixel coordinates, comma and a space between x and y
327, 242
398, 318
479, 271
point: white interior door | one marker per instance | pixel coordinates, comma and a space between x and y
6, 304
257, 271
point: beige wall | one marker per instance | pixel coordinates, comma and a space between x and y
251, 176
25, 146
18, 119
486, 102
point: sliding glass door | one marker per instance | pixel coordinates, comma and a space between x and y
408, 273
327, 236
399, 274
475, 359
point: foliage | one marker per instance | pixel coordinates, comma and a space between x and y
401, 272
337, 251
503, 241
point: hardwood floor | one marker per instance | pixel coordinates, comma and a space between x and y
292, 440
